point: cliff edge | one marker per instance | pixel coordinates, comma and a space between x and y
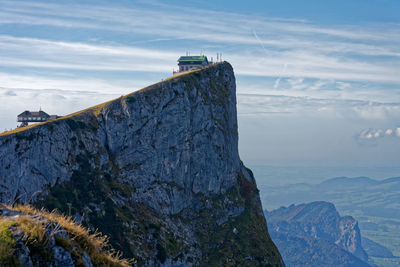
157, 170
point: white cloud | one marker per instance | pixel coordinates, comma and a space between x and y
343, 85
256, 105
372, 134
283, 49
297, 83
388, 132
81, 56
17, 83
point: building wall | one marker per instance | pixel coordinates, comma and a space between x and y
189, 67
32, 118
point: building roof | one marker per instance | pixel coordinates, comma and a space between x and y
199, 59
34, 113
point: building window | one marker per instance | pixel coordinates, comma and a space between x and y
186, 67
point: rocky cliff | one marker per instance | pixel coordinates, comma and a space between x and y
316, 227
157, 170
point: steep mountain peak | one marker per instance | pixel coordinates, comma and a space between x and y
157, 170
314, 211
321, 221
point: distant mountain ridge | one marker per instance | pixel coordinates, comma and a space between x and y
379, 197
357, 181
328, 238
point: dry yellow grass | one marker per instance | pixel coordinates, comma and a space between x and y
95, 109
95, 245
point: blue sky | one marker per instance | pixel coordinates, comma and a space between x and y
318, 81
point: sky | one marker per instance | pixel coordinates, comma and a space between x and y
318, 82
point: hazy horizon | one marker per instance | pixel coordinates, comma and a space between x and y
270, 176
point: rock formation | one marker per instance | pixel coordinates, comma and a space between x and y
319, 228
157, 170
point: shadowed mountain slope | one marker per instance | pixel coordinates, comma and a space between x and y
314, 234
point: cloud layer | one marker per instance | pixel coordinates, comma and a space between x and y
257, 46
280, 105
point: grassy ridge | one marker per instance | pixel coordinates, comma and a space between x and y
97, 109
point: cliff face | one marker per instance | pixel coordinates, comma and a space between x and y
319, 227
157, 170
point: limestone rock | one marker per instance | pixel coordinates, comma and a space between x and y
158, 171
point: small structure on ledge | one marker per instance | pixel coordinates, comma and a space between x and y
34, 116
188, 63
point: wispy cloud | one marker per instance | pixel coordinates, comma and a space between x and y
276, 105
290, 52
72, 55
18, 83
175, 21
256, 46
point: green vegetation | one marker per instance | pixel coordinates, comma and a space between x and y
87, 185
383, 231
75, 124
7, 243
239, 241
89, 193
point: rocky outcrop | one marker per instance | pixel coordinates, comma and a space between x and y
157, 170
35, 238
319, 227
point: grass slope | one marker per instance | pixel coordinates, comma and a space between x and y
37, 235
